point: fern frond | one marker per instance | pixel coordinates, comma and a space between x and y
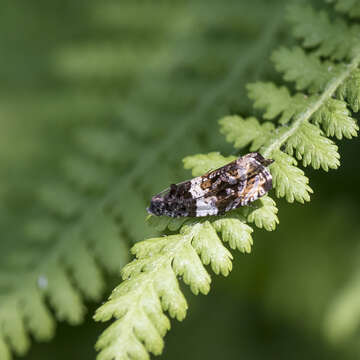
328, 88
25, 310
323, 34
151, 286
341, 80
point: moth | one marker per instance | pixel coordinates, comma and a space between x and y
236, 184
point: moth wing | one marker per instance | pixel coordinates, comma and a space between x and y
236, 184
255, 188
221, 190
179, 189
201, 186
235, 196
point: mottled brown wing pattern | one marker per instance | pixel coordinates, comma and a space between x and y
236, 184
251, 190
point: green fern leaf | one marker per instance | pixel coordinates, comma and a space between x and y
208, 245
188, 265
150, 285
289, 181
276, 100
264, 214
63, 296
336, 120
350, 90
86, 273
242, 132
235, 231
313, 148
108, 246
321, 33
306, 70
13, 327
39, 319
4, 350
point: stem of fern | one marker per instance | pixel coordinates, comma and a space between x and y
306, 115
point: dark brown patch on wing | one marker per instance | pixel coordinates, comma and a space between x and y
181, 190
257, 183
206, 184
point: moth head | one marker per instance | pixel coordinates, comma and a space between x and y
157, 206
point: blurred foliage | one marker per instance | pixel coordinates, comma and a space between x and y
102, 101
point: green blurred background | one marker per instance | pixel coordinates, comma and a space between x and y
151, 69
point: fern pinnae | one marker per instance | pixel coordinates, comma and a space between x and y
153, 275
152, 278
328, 89
144, 282
311, 110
